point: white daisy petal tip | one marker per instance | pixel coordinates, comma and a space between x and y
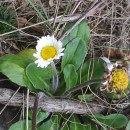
110, 66
47, 50
105, 59
108, 63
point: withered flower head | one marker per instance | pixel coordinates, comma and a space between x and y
116, 77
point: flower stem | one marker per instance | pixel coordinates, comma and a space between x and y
55, 78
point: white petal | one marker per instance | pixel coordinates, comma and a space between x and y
110, 66
36, 55
62, 49
105, 59
47, 41
54, 40
60, 43
39, 46
108, 63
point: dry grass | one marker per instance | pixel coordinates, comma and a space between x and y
109, 27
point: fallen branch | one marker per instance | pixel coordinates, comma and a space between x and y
50, 104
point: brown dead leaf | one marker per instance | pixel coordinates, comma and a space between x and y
117, 53
127, 54
15, 47
24, 3
37, 28
113, 53
21, 21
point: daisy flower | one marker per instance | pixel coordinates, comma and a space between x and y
116, 77
48, 49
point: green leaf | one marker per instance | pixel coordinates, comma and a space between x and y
111, 95
76, 125
81, 31
129, 84
128, 126
22, 59
39, 77
13, 66
64, 126
20, 125
15, 73
87, 121
51, 124
74, 53
86, 97
92, 69
70, 76
40, 116
45, 126
113, 120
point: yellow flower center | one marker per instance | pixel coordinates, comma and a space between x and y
119, 79
48, 52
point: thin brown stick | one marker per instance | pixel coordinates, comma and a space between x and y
34, 115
